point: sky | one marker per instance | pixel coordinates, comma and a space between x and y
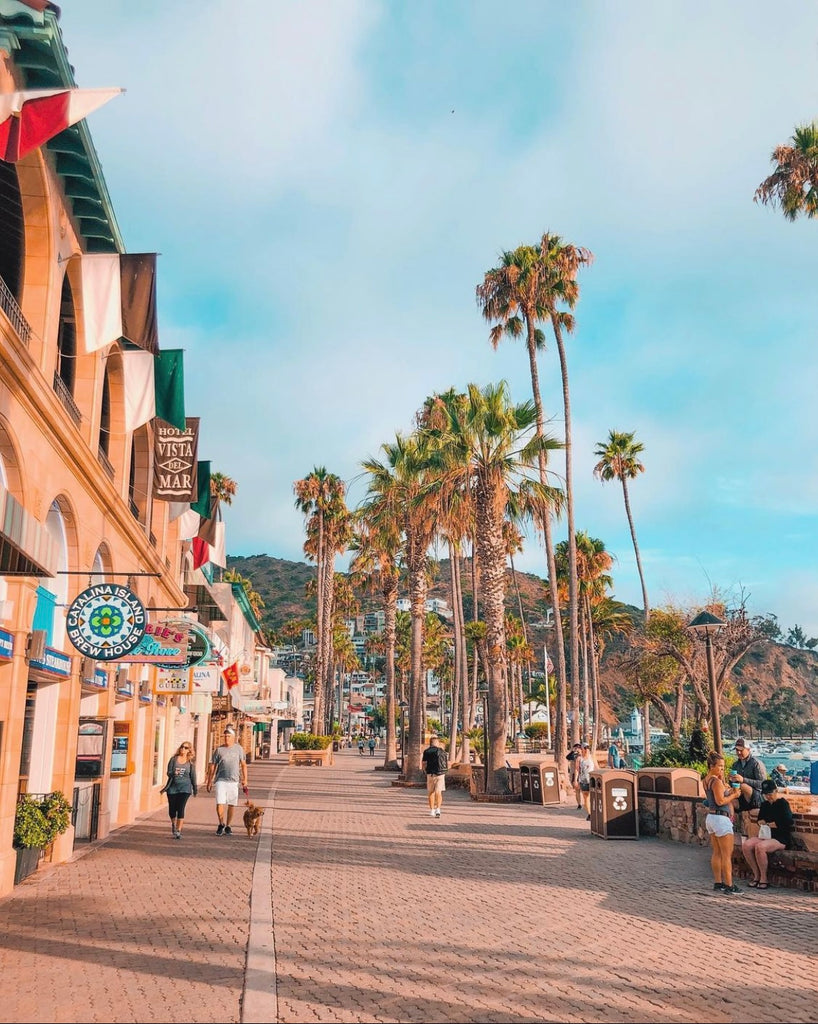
327, 181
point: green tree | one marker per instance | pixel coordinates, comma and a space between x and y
793, 185
619, 460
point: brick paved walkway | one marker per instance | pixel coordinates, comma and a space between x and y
507, 913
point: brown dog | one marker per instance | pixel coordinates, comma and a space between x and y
252, 819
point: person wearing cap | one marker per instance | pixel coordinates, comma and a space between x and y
573, 769
225, 773
775, 833
749, 772
779, 776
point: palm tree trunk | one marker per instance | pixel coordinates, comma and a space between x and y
636, 549
318, 684
412, 771
463, 661
573, 594
491, 553
559, 726
390, 596
586, 706
594, 662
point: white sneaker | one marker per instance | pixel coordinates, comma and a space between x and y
432, 814
437, 813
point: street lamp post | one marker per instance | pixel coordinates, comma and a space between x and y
708, 625
483, 691
403, 705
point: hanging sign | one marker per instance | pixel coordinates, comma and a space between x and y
174, 461
172, 681
205, 679
198, 643
106, 622
164, 644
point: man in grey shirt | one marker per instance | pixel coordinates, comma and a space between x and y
226, 772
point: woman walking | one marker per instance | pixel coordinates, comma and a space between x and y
180, 785
775, 813
719, 800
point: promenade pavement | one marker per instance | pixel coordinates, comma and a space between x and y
354, 905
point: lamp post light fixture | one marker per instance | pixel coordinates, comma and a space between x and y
708, 625
403, 705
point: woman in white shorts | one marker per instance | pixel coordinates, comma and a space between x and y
719, 797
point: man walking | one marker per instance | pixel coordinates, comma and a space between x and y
226, 771
435, 763
371, 746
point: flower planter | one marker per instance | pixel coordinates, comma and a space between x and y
28, 860
312, 757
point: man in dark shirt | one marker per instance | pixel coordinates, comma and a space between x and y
434, 764
750, 773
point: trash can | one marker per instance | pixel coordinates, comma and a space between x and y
675, 781
544, 782
613, 804
525, 783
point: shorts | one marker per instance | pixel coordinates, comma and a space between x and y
718, 825
585, 787
436, 783
226, 792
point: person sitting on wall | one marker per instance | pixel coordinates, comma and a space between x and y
775, 833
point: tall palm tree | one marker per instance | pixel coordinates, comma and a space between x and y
320, 497
405, 461
527, 288
619, 460
481, 442
378, 547
793, 185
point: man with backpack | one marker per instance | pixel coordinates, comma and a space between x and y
435, 763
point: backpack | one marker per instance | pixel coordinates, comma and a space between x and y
442, 759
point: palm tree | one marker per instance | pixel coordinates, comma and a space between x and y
481, 443
223, 488
406, 463
378, 544
320, 497
619, 460
526, 289
793, 185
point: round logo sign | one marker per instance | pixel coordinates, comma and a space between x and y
198, 645
106, 622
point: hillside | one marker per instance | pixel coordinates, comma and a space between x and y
762, 672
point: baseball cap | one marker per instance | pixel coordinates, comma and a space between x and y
230, 729
781, 768
768, 786
741, 744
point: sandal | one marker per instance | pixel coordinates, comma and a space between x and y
762, 885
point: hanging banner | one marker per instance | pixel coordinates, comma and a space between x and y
164, 644
106, 622
174, 461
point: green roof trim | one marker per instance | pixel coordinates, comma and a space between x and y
240, 595
38, 51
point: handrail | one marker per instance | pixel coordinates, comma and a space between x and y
67, 399
9, 306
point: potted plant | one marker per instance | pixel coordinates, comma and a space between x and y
37, 823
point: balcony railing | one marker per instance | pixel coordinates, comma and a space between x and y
9, 306
105, 462
67, 399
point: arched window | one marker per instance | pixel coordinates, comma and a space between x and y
11, 237
67, 338
105, 416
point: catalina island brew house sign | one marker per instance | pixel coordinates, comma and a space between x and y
106, 622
